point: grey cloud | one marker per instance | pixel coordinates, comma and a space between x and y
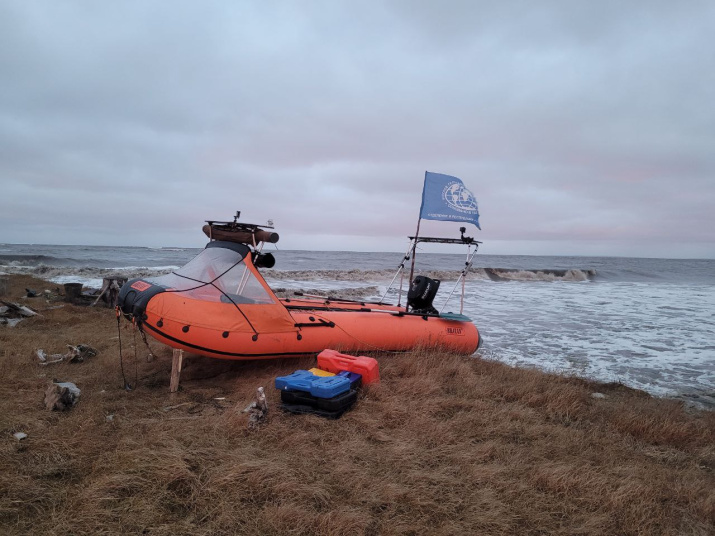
573, 122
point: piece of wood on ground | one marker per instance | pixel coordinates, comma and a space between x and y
61, 396
110, 290
257, 410
14, 308
177, 357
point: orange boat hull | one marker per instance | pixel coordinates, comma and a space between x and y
352, 328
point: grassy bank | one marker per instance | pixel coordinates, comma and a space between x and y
444, 445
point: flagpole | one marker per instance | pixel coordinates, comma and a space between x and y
417, 234
414, 251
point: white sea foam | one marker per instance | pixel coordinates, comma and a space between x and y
610, 332
86, 282
658, 338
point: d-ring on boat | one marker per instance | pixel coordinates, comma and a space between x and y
218, 305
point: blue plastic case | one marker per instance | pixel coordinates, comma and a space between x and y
318, 386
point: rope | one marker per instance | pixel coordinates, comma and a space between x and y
143, 336
136, 361
127, 386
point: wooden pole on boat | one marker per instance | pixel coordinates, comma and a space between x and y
177, 357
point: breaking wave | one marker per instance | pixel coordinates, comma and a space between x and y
34, 260
350, 293
513, 274
59, 269
57, 273
486, 274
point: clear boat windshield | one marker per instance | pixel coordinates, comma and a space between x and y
218, 273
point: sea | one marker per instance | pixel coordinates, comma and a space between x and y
646, 323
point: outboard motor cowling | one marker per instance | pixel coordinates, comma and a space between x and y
421, 295
263, 260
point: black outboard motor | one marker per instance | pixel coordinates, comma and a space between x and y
263, 260
421, 294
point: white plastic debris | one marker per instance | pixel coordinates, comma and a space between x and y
71, 386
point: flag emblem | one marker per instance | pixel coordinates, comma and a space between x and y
459, 198
446, 198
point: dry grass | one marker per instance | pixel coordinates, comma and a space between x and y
444, 445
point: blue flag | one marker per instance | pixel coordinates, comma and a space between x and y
445, 198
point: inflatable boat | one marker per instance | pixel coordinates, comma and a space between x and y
218, 305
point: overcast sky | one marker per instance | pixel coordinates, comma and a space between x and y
582, 128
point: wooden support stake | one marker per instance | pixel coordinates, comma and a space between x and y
176, 359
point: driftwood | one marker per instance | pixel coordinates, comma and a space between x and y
61, 396
257, 410
12, 313
110, 291
42, 357
76, 354
17, 310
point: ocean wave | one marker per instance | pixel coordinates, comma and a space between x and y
157, 269
513, 274
54, 273
34, 260
330, 275
485, 274
85, 274
346, 293
358, 275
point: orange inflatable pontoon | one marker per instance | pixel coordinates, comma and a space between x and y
218, 305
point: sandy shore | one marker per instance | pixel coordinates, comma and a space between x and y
443, 445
